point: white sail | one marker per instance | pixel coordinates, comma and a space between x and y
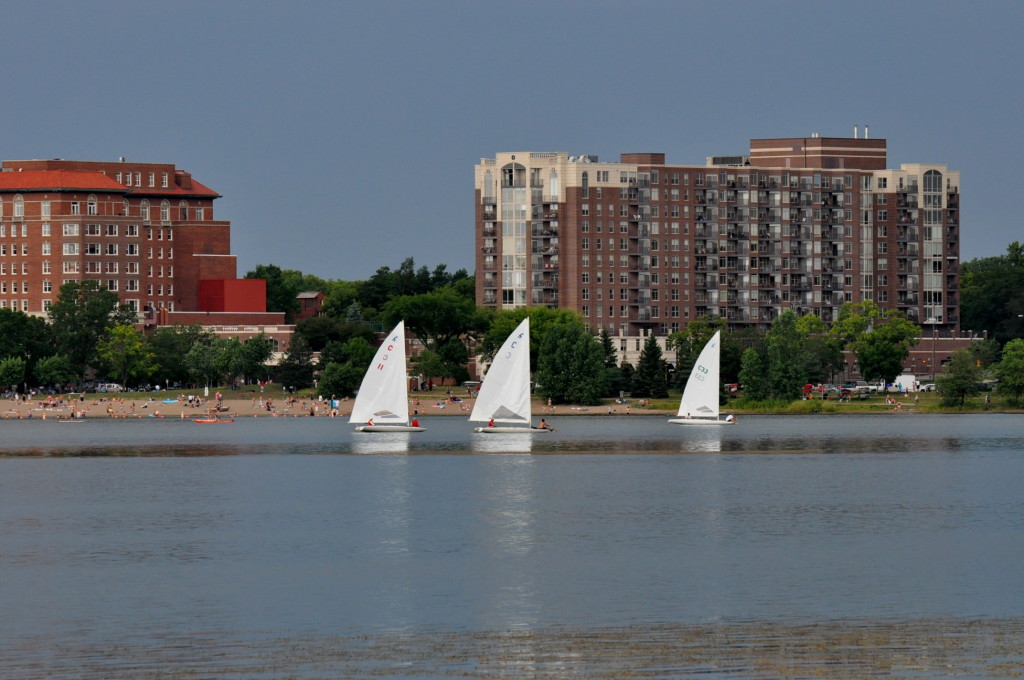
700, 398
383, 396
505, 393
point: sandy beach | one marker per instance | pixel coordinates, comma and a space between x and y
257, 406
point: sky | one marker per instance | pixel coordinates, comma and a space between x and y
342, 135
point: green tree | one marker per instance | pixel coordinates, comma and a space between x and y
208, 359
784, 366
55, 370
1010, 372
752, 376
882, 350
649, 380
613, 374
356, 351
296, 369
339, 379
354, 312
821, 353
283, 285
341, 295
626, 373
24, 336
992, 294
571, 365
170, 346
83, 313
251, 359
125, 353
436, 318
959, 379
12, 372
608, 348
541, 318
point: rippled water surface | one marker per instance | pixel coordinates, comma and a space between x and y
294, 548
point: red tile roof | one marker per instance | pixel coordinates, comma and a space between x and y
57, 180
83, 180
198, 189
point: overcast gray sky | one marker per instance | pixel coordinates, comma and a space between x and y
342, 135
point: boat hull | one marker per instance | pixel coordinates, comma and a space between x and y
389, 428
507, 430
700, 421
213, 421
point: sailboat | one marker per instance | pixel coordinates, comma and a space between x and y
382, 402
504, 396
699, 405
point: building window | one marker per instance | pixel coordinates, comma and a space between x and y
70, 249
91, 208
131, 230
144, 210
76, 208
111, 249
165, 211
111, 230
19, 206
70, 230
163, 180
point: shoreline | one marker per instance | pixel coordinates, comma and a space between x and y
96, 406
58, 407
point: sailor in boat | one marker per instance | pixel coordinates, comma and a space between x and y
490, 423
543, 425
415, 422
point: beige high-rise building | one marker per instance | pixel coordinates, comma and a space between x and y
639, 246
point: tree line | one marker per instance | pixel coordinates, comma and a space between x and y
90, 333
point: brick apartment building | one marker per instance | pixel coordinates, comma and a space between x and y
641, 246
144, 230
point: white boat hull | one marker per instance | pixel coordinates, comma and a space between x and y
510, 429
389, 428
700, 421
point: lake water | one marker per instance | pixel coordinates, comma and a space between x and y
819, 546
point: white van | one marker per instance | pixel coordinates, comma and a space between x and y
109, 387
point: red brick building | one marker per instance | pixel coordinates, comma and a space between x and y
144, 230
642, 246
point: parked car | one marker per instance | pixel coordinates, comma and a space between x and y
109, 387
929, 387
